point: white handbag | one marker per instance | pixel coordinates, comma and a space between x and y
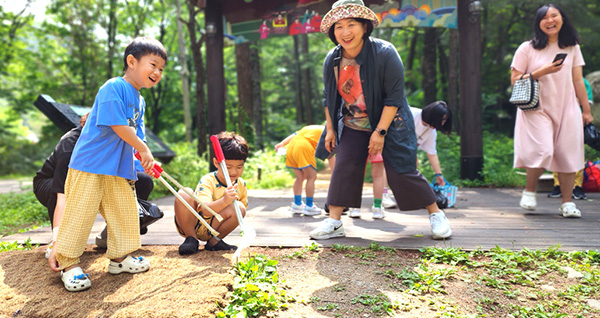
526, 93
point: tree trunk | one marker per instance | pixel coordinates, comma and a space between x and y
429, 66
306, 91
196, 46
410, 85
112, 33
411, 52
453, 78
154, 109
256, 94
298, 86
213, 17
244, 79
187, 116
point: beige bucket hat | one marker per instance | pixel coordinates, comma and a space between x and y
344, 9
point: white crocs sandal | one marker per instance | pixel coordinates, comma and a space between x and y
49, 249
569, 210
528, 201
75, 280
130, 265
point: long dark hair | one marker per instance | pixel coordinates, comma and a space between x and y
434, 115
367, 34
567, 36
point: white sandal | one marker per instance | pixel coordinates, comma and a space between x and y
569, 210
130, 265
75, 280
528, 201
49, 249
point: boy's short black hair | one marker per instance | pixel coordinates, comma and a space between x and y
434, 115
142, 46
234, 146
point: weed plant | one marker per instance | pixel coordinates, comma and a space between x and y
15, 246
257, 290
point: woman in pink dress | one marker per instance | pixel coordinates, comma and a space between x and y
551, 137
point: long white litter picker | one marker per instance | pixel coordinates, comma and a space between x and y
247, 233
159, 172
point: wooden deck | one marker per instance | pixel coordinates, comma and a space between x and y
482, 218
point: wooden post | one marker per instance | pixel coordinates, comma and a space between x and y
214, 66
471, 144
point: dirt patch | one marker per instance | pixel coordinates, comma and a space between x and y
325, 282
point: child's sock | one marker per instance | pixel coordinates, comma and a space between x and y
309, 201
385, 190
298, 199
377, 203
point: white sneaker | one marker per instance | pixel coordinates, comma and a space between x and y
528, 201
311, 210
388, 202
329, 228
569, 210
49, 249
297, 209
440, 226
378, 213
354, 213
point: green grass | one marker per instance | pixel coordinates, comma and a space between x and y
20, 212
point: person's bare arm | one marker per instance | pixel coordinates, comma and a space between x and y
542, 71
330, 137
434, 161
582, 96
285, 141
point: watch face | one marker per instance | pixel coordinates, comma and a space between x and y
382, 132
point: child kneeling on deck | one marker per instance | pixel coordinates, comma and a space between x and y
213, 191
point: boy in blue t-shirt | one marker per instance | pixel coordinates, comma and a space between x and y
102, 171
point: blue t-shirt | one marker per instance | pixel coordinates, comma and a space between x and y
100, 150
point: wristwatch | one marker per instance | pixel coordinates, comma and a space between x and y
381, 131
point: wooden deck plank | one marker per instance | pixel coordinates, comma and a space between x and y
482, 218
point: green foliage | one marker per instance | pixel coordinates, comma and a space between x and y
266, 170
313, 248
497, 162
256, 289
187, 168
423, 279
379, 303
20, 212
18, 155
15, 246
450, 255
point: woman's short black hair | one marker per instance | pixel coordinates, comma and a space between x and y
234, 146
367, 34
142, 46
567, 36
438, 116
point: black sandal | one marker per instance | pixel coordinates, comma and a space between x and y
220, 246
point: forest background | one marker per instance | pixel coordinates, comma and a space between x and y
68, 49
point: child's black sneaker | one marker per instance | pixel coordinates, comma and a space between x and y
578, 193
189, 246
220, 246
555, 193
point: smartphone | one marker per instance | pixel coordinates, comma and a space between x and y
561, 57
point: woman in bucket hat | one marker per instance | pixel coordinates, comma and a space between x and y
367, 113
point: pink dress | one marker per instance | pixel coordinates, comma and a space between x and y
552, 136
